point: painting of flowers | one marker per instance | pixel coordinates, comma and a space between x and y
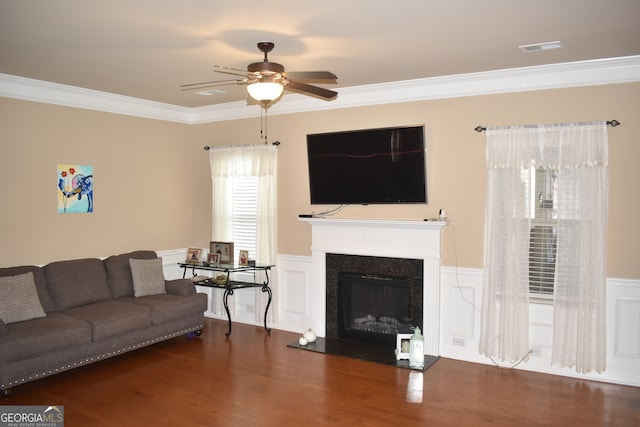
75, 188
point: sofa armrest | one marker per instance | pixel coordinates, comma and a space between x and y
180, 287
3, 328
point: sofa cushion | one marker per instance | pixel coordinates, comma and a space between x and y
77, 282
19, 299
148, 277
41, 336
119, 272
167, 307
111, 318
38, 277
3, 328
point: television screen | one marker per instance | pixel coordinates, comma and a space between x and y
372, 166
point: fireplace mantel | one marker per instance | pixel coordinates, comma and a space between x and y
355, 222
416, 239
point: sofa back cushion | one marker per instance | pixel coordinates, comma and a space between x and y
38, 278
119, 272
77, 282
19, 299
148, 277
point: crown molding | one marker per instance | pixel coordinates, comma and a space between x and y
555, 76
71, 96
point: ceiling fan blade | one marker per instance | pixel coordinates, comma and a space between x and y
202, 85
311, 90
312, 76
229, 70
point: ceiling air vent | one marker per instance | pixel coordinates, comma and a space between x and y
540, 46
210, 92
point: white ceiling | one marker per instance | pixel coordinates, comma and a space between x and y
147, 48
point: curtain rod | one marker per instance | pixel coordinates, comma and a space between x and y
276, 143
613, 123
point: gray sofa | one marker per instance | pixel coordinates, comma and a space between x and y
71, 313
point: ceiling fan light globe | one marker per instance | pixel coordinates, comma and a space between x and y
268, 91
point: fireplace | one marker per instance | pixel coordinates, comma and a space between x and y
371, 298
372, 238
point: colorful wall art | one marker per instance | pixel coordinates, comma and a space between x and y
75, 188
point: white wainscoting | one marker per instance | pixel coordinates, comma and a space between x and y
295, 293
461, 300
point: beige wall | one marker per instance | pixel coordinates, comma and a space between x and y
455, 161
142, 171
173, 210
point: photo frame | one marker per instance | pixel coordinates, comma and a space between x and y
194, 255
213, 259
403, 346
244, 258
403, 343
224, 249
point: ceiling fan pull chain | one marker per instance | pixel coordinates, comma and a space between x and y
265, 126
261, 125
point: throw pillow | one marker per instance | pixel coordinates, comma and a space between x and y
148, 277
19, 300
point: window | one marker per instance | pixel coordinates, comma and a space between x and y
542, 200
244, 207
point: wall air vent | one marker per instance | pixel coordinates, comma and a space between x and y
540, 46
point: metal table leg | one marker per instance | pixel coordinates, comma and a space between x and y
266, 288
225, 296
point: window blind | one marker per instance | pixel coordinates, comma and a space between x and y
244, 215
544, 232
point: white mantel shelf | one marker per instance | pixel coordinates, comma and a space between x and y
393, 223
392, 238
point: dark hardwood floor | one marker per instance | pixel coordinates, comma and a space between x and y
254, 379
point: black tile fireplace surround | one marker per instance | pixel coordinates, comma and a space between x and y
410, 270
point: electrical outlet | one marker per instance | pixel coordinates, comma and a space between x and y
458, 341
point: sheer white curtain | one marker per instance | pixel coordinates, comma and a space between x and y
504, 332
579, 333
579, 154
261, 162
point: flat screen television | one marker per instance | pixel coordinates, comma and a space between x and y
370, 166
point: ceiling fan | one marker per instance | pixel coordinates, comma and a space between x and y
266, 80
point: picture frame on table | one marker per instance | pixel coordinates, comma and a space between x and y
213, 259
194, 255
244, 258
224, 249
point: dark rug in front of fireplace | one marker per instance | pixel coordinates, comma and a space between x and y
360, 350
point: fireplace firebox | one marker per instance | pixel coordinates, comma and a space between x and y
369, 298
373, 308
